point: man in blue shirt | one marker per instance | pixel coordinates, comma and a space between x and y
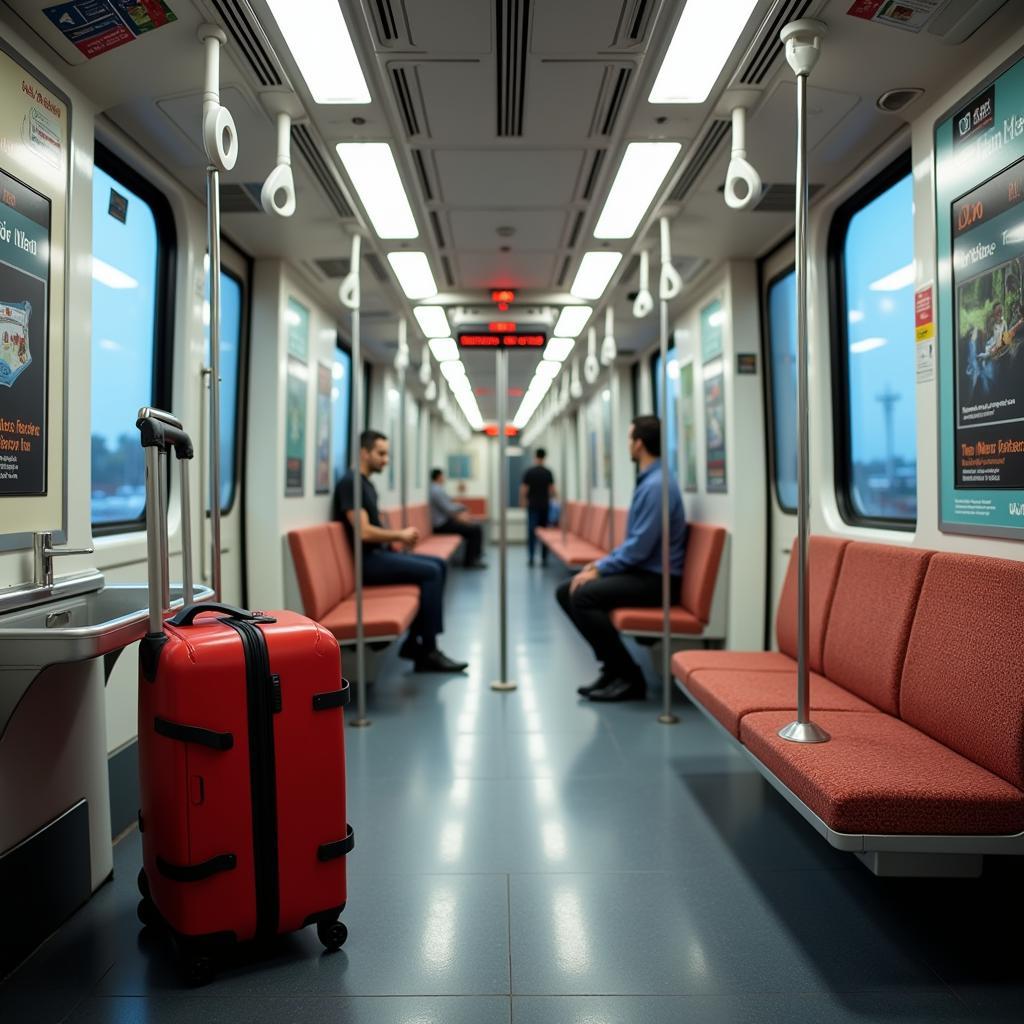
630, 576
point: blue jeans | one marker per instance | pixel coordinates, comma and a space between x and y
382, 567
536, 517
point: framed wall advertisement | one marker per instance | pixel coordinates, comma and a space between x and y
714, 428
324, 382
688, 424
295, 429
711, 319
297, 322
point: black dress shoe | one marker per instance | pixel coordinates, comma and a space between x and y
435, 661
477, 565
598, 684
619, 690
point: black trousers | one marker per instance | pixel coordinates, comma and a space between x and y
382, 567
472, 533
590, 609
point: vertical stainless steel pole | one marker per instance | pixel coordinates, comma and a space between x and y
403, 497
501, 386
667, 717
357, 491
803, 730
213, 212
187, 579
613, 440
563, 487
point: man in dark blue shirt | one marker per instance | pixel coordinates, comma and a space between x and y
630, 576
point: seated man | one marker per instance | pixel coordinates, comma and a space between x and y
630, 576
447, 516
381, 565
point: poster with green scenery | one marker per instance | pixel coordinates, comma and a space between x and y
688, 421
295, 429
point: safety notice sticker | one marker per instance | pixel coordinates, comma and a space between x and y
96, 26
911, 15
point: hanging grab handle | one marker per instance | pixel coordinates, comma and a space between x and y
742, 182
609, 350
671, 284
187, 615
278, 193
644, 301
349, 290
220, 137
591, 366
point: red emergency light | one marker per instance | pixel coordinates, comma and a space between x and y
501, 327
503, 295
491, 430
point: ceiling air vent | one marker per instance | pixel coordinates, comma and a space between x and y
513, 34
702, 155
564, 272
237, 19
421, 170
446, 266
304, 142
613, 92
893, 101
241, 198
634, 22
336, 268
574, 235
435, 223
767, 48
595, 168
386, 22
407, 104
780, 197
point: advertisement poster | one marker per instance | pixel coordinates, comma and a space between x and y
980, 219
688, 421
96, 26
714, 429
34, 132
295, 430
911, 15
323, 428
711, 318
297, 319
24, 285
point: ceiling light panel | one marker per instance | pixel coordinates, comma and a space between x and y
414, 274
320, 43
572, 320
444, 349
375, 177
640, 175
452, 368
595, 272
433, 323
703, 42
547, 369
559, 349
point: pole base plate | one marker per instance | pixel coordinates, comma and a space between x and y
360, 723
667, 718
504, 686
804, 732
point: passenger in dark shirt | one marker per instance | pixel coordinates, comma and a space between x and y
381, 565
535, 494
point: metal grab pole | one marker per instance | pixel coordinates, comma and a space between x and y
403, 496
353, 302
213, 215
802, 39
613, 433
503, 683
564, 485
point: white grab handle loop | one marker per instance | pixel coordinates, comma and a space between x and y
425, 366
576, 385
644, 301
349, 290
278, 192
220, 137
591, 367
671, 284
431, 390
609, 350
742, 182
402, 355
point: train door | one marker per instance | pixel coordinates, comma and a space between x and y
779, 330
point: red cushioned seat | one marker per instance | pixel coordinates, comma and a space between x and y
878, 775
621, 519
649, 620
684, 663
382, 616
548, 535
387, 590
595, 529
438, 545
730, 695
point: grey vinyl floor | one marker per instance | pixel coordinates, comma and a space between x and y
533, 858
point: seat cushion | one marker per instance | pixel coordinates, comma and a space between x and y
438, 545
649, 620
575, 552
963, 679
870, 619
382, 616
879, 775
684, 663
729, 695
388, 590
704, 546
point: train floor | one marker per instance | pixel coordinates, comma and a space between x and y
533, 858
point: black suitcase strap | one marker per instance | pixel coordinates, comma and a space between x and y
333, 698
196, 872
339, 848
193, 734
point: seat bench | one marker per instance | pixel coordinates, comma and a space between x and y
437, 545
586, 536
917, 676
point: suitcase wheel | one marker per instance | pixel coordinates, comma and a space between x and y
143, 883
332, 934
147, 913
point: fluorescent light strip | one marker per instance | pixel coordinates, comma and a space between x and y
321, 46
443, 349
452, 368
414, 274
374, 174
547, 369
595, 272
643, 169
572, 320
704, 39
433, 323
559, 349
896, 281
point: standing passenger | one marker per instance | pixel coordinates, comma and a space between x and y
535, 494
630, 576
381, 565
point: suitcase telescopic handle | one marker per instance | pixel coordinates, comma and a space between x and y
163, 434
187, 615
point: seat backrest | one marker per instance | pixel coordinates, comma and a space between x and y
574, 511
870, 620
825, 557
704, 546
963, 678
474, 506
621, 517
391, 518
318, 567
596, 531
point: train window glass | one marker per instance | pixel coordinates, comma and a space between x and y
231, 296
878, 459
671, 425
782, 347
131, 240
341, 393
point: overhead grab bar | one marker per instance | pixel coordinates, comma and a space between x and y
591, 366
278, 192
644, 301
670, 284
576, 385
220, 137
609, 350
743, 185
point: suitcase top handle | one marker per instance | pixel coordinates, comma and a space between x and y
187, 615
163, 434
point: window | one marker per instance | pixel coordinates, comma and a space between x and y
231, 299
341, 396
782, 353
673, 404
872, 249
133, 235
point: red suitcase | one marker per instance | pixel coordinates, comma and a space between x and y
241, 757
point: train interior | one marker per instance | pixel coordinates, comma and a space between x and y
483, 228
